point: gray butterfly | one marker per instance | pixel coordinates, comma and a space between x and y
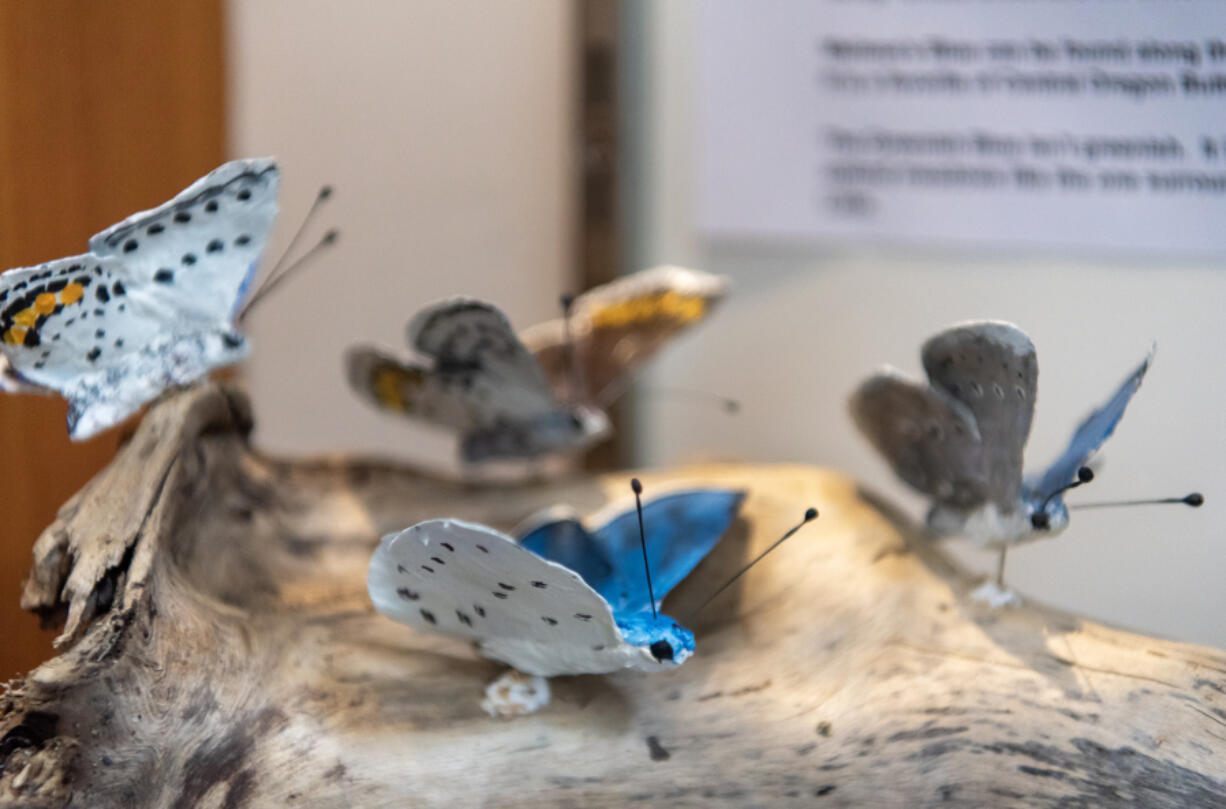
960, 438
483, 383
523, 396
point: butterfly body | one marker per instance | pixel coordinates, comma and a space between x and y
509, 398
526, 606
149, 307
959, 439
568, 429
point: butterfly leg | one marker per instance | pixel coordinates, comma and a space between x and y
515, 694
994, 592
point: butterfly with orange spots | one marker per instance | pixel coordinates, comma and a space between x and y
150, 306
543, 392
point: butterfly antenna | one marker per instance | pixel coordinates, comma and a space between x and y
726, 403
274, 276
810, 516
568, 342
638, 504
1039, 519
1195, 500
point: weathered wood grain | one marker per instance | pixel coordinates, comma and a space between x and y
221, 652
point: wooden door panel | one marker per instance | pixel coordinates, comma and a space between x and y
105, 109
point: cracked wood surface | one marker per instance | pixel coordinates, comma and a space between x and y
220, 651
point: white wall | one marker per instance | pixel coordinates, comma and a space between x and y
446, 127
805, 325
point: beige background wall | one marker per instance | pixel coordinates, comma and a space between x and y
807, 323
446, 128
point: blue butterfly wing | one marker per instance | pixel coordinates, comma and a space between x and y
1090, 434
568, 543
681, 529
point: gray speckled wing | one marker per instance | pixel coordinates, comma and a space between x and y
991, 369
930, 439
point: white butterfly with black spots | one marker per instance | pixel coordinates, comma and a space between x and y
562, 600
150, 306
509, 397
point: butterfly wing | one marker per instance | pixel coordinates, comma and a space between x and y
477, 354
199, 251
618, 326
991, 369
411, 390
468, 581
85, 327
558, 535
929, 438
681, 529
1090, 434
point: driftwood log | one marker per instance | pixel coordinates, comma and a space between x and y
219, 650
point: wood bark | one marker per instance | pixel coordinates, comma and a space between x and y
219, 650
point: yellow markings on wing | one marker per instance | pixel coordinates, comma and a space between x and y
44, 304
392, 385
671, 305
71, 293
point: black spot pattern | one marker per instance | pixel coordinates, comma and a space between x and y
540, 585
155, 229
550, 621
118, 289
102, 295
164, 276
182, 217
211, 206
464, 619
479, 610
189, 259
401, 569
437, 560
215, 246
243, 240
428, 616
407, 594
244, 195
99, 333
130, 245
483, 549
583, 616
497, 594
94, 354
448, 546
506, 586
427, 568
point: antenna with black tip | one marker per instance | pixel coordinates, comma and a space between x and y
638, 504
726, 403
810, 516
573, 372
1040, 519
1195, 500
278, 274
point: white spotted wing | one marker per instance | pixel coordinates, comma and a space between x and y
199, 251
151, 305
468, 581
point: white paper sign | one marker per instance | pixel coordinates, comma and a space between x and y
1082, 124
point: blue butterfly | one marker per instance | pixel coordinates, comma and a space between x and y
959, 439
563, 599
